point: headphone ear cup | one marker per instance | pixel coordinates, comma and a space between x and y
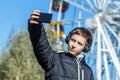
86, 48
67, 39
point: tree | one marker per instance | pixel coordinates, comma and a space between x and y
18, 61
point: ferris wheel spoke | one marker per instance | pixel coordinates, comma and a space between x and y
95, 3
91, 5
78, 5
99, 4
111, 50
113, 32
105, 4
111, 36
111, 21
114, 23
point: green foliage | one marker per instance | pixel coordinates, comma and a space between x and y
18, 61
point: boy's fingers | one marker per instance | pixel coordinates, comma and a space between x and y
34, 22
33, 17
36, 12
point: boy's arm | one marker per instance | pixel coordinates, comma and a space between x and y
42, 49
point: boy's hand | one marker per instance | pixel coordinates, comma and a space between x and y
35, 15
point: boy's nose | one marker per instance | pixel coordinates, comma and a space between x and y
74, 44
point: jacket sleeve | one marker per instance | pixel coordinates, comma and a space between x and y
43, 52
91, 76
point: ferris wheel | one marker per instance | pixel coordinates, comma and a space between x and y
103, 20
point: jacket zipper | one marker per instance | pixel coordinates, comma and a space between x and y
82, 74
79, 67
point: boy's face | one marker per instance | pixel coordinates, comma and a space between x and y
76, 44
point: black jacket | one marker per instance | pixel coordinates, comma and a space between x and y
61, 66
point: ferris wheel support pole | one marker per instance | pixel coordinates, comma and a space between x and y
59, 16
50, 7
105, 62
106, 66
98, 61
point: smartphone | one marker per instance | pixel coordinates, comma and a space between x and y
45, 17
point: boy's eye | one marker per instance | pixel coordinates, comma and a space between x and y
79, 44
72, 40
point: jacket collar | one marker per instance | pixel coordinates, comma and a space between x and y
80, 58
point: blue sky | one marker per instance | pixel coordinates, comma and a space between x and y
14, 15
